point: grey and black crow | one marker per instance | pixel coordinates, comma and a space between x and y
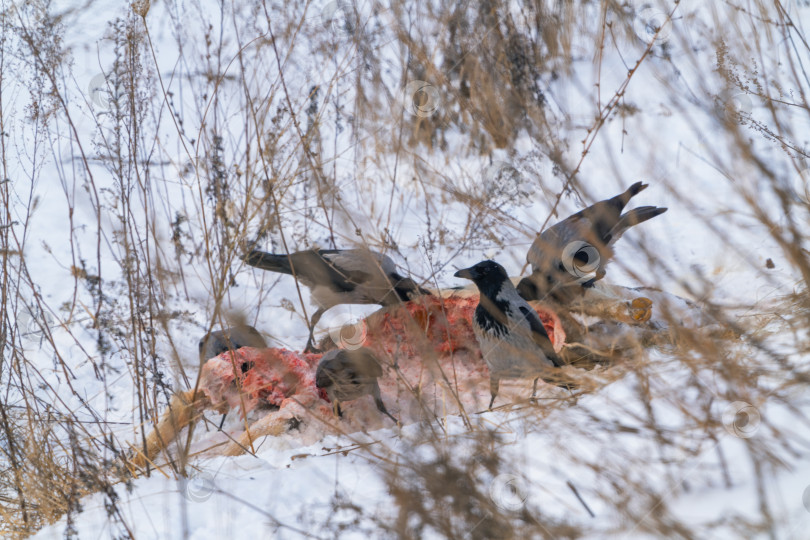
572, 254
230, 339
341, 276
513, 341
346, 375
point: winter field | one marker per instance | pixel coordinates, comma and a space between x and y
144, 147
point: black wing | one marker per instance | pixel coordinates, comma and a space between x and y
539, 335
337, 277
632, 218
312, 267
598, 220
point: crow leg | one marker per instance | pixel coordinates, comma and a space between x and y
312, 322
336, 409
534, 387
375, 391
222, 422
494, 383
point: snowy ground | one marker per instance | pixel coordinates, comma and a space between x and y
239, 497
287, 489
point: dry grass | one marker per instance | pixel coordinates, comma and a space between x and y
164, 171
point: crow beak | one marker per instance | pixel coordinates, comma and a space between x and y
466, 273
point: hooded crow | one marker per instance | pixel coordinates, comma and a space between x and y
230, 339
346, 375
573, 253
513, 341
341, 276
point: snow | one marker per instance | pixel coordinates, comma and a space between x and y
288, 488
